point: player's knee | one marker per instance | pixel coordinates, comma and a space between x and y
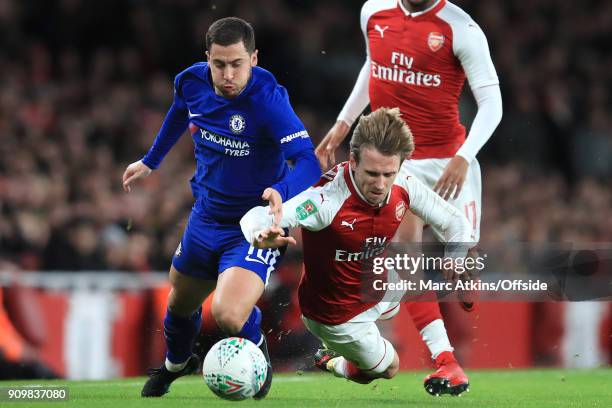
392, 370
389, 366
229, 319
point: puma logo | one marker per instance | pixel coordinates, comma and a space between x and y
349, 224
381, 30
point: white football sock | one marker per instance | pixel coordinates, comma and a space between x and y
339, 367
173, 368
434, 335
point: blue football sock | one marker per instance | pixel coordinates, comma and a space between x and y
252, 327
180, 333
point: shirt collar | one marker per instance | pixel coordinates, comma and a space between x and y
418, 13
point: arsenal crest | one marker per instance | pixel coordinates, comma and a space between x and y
435, 41
400, 209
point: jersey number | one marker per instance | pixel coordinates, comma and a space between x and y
471, 205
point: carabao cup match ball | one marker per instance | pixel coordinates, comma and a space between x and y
235, 369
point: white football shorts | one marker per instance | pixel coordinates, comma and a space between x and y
359, 339
469, 201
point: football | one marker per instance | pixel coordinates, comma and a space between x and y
234, 369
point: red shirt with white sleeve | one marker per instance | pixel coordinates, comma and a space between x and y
418, 62
341, 231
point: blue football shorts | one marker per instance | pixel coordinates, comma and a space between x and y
209, 247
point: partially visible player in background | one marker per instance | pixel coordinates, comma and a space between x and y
419, 53
244, 129
350, 215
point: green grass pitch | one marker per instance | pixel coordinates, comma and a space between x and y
509, 388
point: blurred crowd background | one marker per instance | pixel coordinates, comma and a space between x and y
85, 85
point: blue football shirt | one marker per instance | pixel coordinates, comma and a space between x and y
241, 143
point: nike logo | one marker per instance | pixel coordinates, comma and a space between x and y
193, 115
322, 198
349, 224
248, 258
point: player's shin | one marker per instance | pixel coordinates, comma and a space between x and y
251, 330
180, 333
343, 368
428, 321
436, 338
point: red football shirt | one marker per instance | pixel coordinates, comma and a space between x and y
419, 62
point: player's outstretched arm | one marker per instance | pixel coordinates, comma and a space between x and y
273, 237
326, 150
312, 209
133, 172
258, 228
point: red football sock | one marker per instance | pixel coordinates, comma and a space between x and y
423, 313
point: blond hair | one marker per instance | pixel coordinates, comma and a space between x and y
384, 130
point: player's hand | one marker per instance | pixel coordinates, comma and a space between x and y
273, 237
452, 178
134, 171
449, 274
275, 201
326, 150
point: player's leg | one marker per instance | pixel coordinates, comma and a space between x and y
469, 203
233, 305
426, 313
181, 325
191, 278
449, 377
244, 273
184, 316
354, 350
210, 332
330, 360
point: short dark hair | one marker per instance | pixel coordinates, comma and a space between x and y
385, 130
231, 30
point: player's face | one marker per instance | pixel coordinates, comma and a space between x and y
375, 173
230, 68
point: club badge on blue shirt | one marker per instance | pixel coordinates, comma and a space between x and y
237, 124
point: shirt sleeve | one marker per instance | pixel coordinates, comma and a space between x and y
313, 209
306, 171
359, 98
284, 125
437, 212
172, 128
488, 116
287, 130
470, 46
